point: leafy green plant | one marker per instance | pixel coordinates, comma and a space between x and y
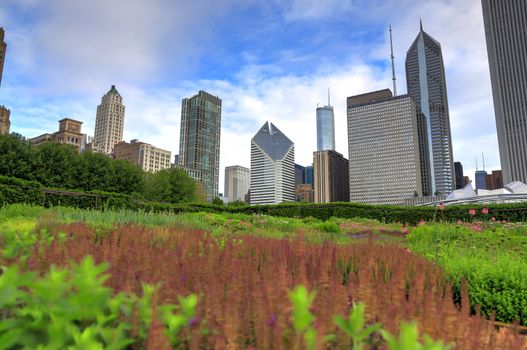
178, 317
66, 308
409, 340
354, 326
303, 318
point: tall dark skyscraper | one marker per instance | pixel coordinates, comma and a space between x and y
458, 167
199, 141
506, 34
3, 48
425, 79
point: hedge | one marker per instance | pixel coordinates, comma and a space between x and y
13, 190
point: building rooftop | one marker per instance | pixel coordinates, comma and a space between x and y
272, 141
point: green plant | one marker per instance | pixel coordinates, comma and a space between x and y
354, 326
184, 317
65, 308
303, 318
409, 340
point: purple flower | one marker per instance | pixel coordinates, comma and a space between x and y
272, 320
194, 321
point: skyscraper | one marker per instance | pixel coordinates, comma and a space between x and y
3, 49
237, 181
325, 128
199, 140
384, 166
458, 167
331, 172
425, 79
109, 123
272, 167
505, 23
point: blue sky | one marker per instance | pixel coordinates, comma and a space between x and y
267, 60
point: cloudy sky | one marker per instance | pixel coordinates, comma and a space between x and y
266, 59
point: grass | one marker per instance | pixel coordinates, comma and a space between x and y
493, 262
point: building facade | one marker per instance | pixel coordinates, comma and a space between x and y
237, 182
5, 122
304, 193
3, 49
325, 128
272, 167
331, 179
384, 156
458, 169
109, 122
506, 36
69, 133
199, 141
300, 174
494, 180
425, 79
146, 156
309, 176
481, 179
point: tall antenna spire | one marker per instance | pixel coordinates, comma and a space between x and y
393, 64
420, 23
476, 163
483, 157
329, 103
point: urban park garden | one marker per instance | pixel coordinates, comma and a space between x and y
134, 279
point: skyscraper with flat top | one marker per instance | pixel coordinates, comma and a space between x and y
272, 167
199, 140
425, 79
325, 128
3, 49
109, 123
237, 180
383, 145
506, 34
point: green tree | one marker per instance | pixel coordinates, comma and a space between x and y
170, 185
56, 165
16, 158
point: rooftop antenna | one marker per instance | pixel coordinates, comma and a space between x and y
421, 23
476, 163
393, 64
329, 103
483, 157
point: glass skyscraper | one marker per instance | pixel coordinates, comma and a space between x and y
199, 141
425, 79
325, 129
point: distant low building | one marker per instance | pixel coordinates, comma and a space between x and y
69, 133
304, 193
147, 157
481, 176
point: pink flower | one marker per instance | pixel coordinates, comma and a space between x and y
405, 229
493, 219
422, 222
459, 222
471, 212
503, 221
485, 210
441, 206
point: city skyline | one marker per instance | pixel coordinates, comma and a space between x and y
284, 88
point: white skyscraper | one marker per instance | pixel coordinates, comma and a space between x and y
109, 123
237, 181
272, 166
